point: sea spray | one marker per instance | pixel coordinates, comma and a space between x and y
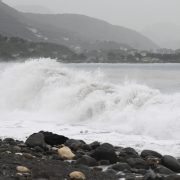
45, 94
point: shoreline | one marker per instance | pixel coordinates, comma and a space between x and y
49, 156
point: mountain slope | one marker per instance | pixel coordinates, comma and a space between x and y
13, 48
11, 25
89, 29
78, 32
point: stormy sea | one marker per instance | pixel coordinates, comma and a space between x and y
136, 105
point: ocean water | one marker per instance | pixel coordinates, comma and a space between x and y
132, 105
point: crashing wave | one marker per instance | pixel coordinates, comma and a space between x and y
45, 86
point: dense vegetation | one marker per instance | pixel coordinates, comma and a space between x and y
12, 48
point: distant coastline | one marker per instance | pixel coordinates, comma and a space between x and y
14, 48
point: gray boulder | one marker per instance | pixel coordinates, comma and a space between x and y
171, 163
137, 163
87, 160
36, 139
148, 153
105, 152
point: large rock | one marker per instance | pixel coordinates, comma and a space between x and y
94, 144
149, 153
171, 163
66, 153
105, 152
87, 160
121, 167
126, 153
36, 139
74, 144
9, 141
130, 152
53, 139
137, 163
163, 170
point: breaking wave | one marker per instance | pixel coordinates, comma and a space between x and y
65, 95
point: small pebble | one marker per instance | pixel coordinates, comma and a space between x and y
22, 169
28, 156
8, 152
77, 175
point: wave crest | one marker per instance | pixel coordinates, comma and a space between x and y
46, 86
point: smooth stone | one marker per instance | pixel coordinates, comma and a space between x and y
38, 149
53, 139
171, 163
74, 144
94, 144
121, 167
17, 148
146, 153
66, 153
22, 169
163, 170
9, 141
126, 153
110, 171
130, 152
86, 147
87, 160
79, 154
104, 163
28, 156
137, 163
105, 152
77, 175
36, 139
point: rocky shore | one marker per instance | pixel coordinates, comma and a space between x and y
48, 156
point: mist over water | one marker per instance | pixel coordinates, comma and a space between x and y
86, 103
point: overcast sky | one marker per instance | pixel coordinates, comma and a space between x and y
135, 14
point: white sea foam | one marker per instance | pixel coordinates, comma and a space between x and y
46, 95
